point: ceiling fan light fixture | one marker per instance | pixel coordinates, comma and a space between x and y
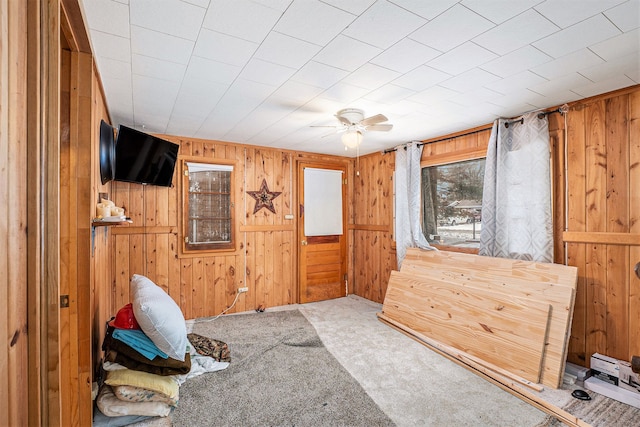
352, 138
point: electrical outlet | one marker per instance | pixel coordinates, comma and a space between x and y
242, 290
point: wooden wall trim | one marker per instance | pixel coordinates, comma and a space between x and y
262, 228
606, 238
49, 116
371, 227
75, 25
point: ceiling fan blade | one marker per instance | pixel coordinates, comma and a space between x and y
382, 127
378, 118
344, 120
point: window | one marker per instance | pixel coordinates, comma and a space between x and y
452, 203
208, 206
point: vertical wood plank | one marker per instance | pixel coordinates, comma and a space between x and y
634, 222
576, 221
186, 303
198, 289
617, 211
596, 158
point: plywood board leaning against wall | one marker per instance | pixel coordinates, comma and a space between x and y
494, 278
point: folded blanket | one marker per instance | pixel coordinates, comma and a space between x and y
118, 352
139, 341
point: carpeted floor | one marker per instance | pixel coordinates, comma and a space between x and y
410, 384
280, 375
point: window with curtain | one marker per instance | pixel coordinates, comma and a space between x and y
207, 206
452, 203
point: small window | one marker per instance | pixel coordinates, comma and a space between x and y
452, 203
208, 206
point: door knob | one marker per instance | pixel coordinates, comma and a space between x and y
304, 243
637, 270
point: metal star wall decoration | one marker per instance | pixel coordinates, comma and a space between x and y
264, 197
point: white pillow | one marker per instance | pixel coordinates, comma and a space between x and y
159, 317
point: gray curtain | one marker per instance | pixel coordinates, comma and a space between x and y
407, 181
516, 202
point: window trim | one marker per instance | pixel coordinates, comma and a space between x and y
208, 248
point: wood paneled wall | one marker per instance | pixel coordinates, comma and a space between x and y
603, 224
601, 233
264, 259
14, 369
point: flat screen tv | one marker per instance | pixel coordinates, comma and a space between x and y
143, 158
107, 152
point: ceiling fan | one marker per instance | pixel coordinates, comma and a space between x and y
353, 125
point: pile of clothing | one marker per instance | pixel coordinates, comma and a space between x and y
143, 366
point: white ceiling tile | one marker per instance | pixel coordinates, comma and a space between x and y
148, 121
162, 17
313, 21
241, 18
118, 91
570, 63
625, 16
370, 76
517, 81
197, 104
498, 11
261, 71
568, 12
452, 28
208, 70
157, 96
346, 53
107, 16
469, 80
286, 50
475, 97
159, 45
298, 93
560, 84
201, 3
344, 92
421, 78
462, 58
516, 32
602, 86
433, 94
514, 62
121, 1
389, 93
183, 125
578, 36
152, 67
405, 55
403, 107
355, 7
280, 5
615, 47
427, 9
112, 68
397, 23
319, 75
629, 65
224, 48
555, 98
110, 46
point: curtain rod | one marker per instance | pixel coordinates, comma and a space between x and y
541, 115
563, 109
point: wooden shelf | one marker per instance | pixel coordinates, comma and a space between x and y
100, 223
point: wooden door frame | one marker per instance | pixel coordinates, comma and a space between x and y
319, 164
